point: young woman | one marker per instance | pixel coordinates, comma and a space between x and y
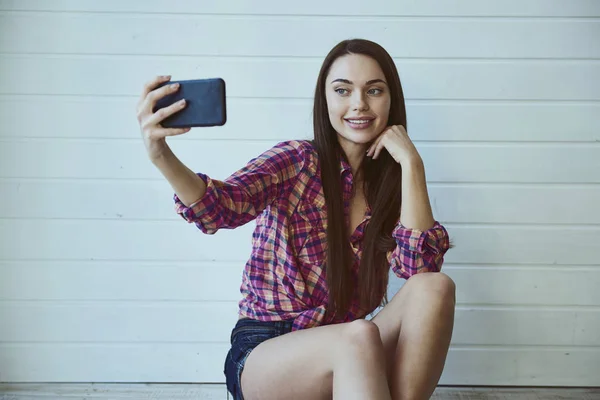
333, 215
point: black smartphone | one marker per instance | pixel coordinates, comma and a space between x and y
205, 103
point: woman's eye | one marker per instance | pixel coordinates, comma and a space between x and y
342, 91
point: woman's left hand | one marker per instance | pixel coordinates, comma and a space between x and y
396, 141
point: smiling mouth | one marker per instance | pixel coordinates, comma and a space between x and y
360, 119
359, 123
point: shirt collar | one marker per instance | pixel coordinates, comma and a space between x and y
344, 166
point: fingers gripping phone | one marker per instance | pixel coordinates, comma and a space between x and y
205, 103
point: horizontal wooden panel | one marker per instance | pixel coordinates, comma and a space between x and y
75, 199
202, 362
452, 203
536, 327
139, 281
176, 241
117, 322
114, 391
509, 284
262, 36
121, 240
127, 159
212, 281
127, 362
296, 77
521, 244
212, 322
528, 367
535, 8
427, 120
516, 204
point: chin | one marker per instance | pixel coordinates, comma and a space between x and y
359, 137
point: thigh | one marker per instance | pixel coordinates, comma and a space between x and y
412, 294
389, 321
296, 365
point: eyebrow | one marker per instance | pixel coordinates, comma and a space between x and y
350, 82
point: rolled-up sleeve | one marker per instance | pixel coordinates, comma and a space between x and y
418, 251
246, 193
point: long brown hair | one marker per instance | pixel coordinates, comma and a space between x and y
382, 186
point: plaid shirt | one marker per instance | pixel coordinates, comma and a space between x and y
284, 277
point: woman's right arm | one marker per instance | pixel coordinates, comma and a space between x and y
186, 184
210, 203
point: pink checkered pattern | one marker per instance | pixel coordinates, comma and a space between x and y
284, 277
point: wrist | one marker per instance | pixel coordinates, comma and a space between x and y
414, 162
158, 152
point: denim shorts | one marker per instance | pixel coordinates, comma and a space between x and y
245, 336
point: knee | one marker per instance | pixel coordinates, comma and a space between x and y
433, 285
362, 334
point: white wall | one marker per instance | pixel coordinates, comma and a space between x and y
100, 280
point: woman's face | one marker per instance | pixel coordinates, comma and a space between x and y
358, 98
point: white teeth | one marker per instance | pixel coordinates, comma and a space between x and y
355, 121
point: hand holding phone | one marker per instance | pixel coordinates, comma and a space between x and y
163, 110
205, 99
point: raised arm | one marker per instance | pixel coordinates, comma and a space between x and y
186, 184
246, 193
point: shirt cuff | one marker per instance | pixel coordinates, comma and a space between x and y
434, 240
202, 207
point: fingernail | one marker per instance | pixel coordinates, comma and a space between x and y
175, 85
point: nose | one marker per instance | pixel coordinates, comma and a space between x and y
358, 101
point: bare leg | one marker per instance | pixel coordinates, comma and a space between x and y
416, 328
360, 369
344, 361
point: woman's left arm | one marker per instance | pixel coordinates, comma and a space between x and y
415, 211
422, 241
